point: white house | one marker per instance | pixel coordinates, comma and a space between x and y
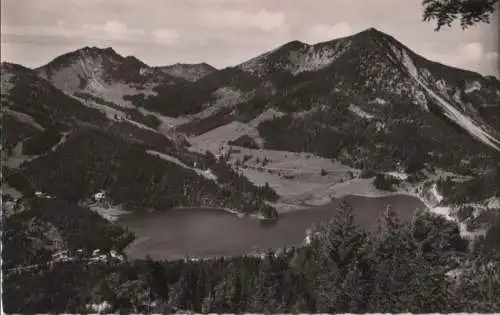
100, 196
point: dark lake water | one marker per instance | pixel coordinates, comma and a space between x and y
210, 232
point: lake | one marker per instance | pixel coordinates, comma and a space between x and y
210, 232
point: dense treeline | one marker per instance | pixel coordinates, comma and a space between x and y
242, 112
148, 138
489, 243
336, 132
90, 161
41, 142
132, 113
197, 127
385, 182
474, 200
475, 190
14, 131
184, 99
233, 184
399, 268
245, 141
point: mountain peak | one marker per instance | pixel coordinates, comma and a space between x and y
189, 65
95, 48
296, 56
204, 64
15, 68
188, 71
133, 60
98, 51
371, 32
84, 52
94, 70
293, 45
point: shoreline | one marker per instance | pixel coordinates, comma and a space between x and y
240, 215
358, 187
355, 187
283, 207
237, 213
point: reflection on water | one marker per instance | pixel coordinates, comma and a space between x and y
268, 223
207, 232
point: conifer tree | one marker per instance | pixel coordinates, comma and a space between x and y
337, 263
468, 12
388, 268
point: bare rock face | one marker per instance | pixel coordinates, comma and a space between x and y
105, 75
94, 69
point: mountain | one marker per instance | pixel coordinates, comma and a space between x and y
366, 101
103, 73
190, 72
104, 80
296, 57
31, 105
356, 99
372, 62
24, 90
369, 84
93, 135
364, 68
32, 108
65, 145
228, 86
95, 69
53, 136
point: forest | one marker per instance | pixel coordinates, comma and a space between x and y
319, 116
474, 190
91, 160
13, 131
41, 142
193, 98
421, 266
46, 104
336, 133
132, 112
41, 227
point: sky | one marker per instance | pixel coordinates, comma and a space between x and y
228, 32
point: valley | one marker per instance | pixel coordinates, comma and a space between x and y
105, 154
260, 122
